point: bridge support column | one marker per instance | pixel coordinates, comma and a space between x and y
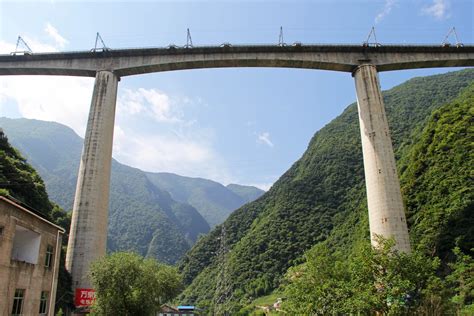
88, 233
386, 211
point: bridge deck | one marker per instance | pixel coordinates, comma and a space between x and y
145, 60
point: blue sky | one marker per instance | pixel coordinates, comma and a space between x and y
242, 125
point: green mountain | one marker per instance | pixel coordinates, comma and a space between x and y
19, 180
155, 214
248, 193
213, 200
143, 217
437, 179
322, 198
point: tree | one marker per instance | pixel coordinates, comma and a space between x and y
127, 284
462, 281
373, 280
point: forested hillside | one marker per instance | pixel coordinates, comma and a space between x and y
437, 180
438, 275
142, 217
155, 214
20, 181
322, 198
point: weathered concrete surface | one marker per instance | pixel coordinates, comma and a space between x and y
34, 278
88, 234
126, 62
386, 211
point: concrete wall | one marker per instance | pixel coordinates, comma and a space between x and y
14, 274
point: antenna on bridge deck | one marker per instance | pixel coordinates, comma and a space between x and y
452, 31
103, 48
189, 40
27, 48
371, 34
280, 38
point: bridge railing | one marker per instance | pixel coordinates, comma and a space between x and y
295, 45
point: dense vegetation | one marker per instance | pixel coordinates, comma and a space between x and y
321, 198
20, 181
127, 284
437, 185
437, 179
377, 281
144, 217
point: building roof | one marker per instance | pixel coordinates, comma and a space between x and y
168, 308
186, 307
19, 205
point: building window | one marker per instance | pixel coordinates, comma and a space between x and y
18, 302
48, 261
43, 303
26, 244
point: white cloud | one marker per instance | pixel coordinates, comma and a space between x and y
439, 9
54, 34
389, 4
6, 48
169, 152
36, 46
181, 146
61, 99
149, 101
264, 138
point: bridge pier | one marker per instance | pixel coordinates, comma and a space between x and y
88, 233
384, 198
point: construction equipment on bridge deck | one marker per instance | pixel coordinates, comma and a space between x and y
189, 40
375, 43
280, 38
103, 48
452, 31
28, 50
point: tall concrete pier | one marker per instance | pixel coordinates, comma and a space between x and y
88, 234
386, 211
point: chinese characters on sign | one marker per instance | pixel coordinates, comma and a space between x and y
84, 297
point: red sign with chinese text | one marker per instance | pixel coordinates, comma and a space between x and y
84, 297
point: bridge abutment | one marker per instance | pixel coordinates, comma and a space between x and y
88, 233
384, 198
